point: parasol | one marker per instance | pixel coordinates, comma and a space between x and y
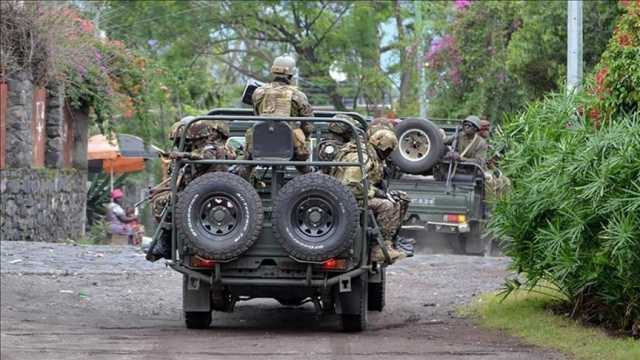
118, 154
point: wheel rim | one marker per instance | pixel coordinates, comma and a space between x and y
219, 215
414, 145
314, 218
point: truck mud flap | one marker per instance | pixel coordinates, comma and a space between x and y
350, 302
196, 294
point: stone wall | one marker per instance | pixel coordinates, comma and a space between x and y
42, 204
19, 147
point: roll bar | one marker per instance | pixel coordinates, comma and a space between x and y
246, 115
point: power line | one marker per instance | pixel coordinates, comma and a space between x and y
162, 16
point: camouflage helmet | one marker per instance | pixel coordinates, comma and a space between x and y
473, 120
176, 129
222, 127
383, 139
379, 124
283, 65
340, 128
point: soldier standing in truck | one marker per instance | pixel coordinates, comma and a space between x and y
280, 98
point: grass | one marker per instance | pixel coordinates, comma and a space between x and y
527, 315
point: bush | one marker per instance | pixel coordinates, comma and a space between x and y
573, 216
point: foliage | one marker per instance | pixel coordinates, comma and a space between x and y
573, 216
97, 233
617, 81
98, 195
211, 48
526, 315
502, 54
42, 40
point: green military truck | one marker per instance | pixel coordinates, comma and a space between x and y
445, 198
291, 237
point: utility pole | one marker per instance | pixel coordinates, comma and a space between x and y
422, 84
574, 44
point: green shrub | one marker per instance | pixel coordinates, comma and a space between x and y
573, 217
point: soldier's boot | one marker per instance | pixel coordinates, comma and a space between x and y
162, 249
378, 256
405, 245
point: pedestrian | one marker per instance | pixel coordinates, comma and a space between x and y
119, 222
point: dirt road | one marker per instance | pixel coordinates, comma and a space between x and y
99, 302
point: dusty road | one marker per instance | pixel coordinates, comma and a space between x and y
99, 302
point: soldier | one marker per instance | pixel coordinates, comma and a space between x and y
380, 145
485, 129
470, 146
203, 140
339, 134
280, 98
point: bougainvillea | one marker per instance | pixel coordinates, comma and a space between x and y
616, 84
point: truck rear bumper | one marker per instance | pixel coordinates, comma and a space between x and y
216, 278
441, 227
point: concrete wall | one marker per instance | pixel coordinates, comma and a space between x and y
42, 204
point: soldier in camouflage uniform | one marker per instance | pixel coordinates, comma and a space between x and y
339, 134
471, 146
206, 140
203, 140
385, 209
280, 98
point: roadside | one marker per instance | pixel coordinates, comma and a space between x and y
73, 302
526, 315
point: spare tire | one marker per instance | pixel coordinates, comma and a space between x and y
420, 146
219, 215
315, 217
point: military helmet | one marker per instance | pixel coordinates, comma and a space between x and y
383, 139
176, 129
473, 120
283, 65
342, 128
379, 124
222, 127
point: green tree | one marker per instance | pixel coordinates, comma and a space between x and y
503, 54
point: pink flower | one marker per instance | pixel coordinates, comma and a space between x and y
461, 4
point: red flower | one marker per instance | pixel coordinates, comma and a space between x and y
601, 76
624, 3
594, 116
624, 40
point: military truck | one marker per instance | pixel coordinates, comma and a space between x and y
456, 209
446, 198
287, 236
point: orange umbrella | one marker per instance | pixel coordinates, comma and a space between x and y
105, 154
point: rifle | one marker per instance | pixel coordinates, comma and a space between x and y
452, 164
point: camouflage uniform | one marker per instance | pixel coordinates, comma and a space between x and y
209, 142
470, 145
339, 135
281, 99
204, 140
385, 209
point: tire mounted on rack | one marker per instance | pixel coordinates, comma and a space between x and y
420, 146
219, 215
315, 217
